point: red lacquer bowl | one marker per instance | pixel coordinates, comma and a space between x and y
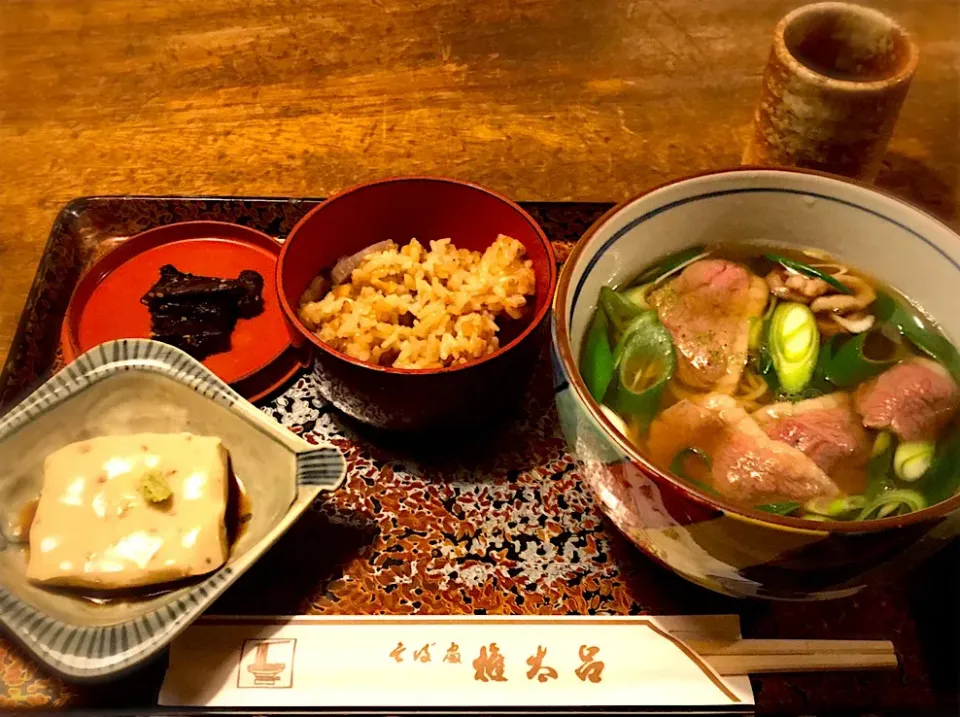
426, 208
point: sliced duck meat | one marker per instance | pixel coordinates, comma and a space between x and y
682, 426
747, 465
915, 399
707, 309
861, 296
827, 429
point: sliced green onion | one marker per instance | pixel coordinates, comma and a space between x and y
765, 365
616, 420
754, 333
785, 508
794, 345
760, 355
643, 361
669, 265
851, 364
881, 445
596, 361
620, 311
878, 467
809, 392
819, 385
893, 502
771, 307
638, 295
678, 469
916, 329
886, 510
836, 508
912, 459
802, 268
943, 478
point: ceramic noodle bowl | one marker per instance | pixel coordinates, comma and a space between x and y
729, 548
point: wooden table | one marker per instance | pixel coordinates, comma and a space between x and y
540, 99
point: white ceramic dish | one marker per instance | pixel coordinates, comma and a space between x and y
135, 386
730, 548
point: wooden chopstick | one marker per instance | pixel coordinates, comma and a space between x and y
790, 647
756, 664
744, 657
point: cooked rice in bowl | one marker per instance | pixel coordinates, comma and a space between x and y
417, 308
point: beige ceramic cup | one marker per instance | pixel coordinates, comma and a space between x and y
832, 90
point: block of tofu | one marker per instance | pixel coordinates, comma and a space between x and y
126, 511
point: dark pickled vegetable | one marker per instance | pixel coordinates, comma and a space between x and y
198, 313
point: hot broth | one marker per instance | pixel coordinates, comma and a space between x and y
781, 380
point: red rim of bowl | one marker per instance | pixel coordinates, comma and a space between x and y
577, 384
255, 388
535, 321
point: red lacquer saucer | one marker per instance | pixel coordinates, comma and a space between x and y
265, 350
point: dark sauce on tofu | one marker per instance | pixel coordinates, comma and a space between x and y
239, 509
20, 528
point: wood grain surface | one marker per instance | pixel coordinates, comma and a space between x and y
541, 99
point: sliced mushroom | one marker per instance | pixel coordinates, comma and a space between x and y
837, 271
791, 286
855, 323
828, 327
863, 296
